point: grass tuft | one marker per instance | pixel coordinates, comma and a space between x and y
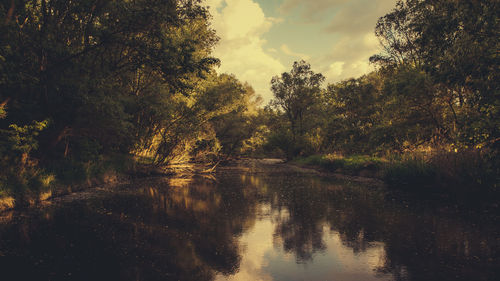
351, 164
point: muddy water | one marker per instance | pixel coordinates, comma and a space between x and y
247, 224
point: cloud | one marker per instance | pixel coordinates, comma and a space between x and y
350, 56
241, 25
353, 23
311, 11
291, 53
359, 16
336, 68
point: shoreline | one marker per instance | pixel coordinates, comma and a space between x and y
113, 179
280, 165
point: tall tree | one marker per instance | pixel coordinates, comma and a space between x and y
95, 67
295, 92
456, 44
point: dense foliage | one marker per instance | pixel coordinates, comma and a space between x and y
433, 100
82, 81
436, 84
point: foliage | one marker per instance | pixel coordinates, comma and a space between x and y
353, 113
411, 171
19, 171
296, 93
23, 139
353, 164
114, 78
466, 172
97, 68
436, 88
453, 43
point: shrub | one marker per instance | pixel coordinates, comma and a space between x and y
467, 172
352, 164
410, 172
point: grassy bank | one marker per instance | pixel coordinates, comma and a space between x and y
357, 165
467, 173
30, 185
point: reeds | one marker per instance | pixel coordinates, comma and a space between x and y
468, 170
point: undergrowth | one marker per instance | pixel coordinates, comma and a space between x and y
466, 172
34, 183
351, 164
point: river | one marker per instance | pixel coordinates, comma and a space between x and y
248, 222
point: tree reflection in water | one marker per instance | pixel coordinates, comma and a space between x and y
152, 233
191, 229
421, 243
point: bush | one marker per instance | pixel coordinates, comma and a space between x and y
352, 164
466, 172
281, 142
410, 172
69, 171
473, 170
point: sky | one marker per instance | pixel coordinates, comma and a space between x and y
260, 39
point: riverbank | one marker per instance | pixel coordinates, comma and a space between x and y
57, 190
465, 178
281, 166
365, 170
67, 190
112, 178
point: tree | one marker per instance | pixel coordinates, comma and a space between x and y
397, 35
295, 92
105, 77
99, 70
455, 43
352, 107
238, 124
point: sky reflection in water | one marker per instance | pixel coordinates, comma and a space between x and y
264, 260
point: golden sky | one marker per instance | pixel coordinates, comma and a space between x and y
262, 38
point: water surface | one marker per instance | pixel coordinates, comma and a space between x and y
247, 225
